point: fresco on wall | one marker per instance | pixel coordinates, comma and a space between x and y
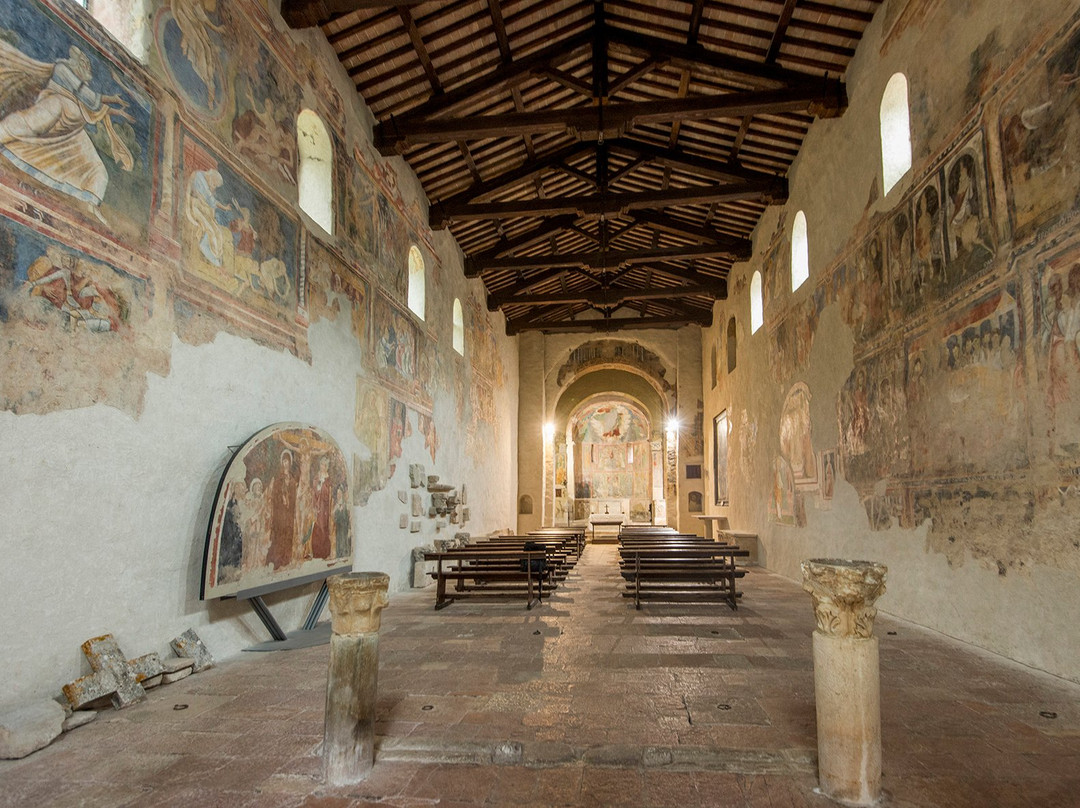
371, 427
395, 347
612, 353
796, 446
399, 429
281, 512
1057, 317
426, 425
264, 126
721, 427
332, 285
69, 120
612, 455
969, 233
67, 316
356, 204
873, 434
1040, 141
236, 239
192, 51
609, 423
391, 247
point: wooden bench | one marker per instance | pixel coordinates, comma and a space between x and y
481, 572
683, 572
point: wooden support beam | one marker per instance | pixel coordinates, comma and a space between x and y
677, 158
694, 56
529, 238
611, 297
781, 30
526, 170
771, 191
599, 259
740, 249
606, 325
505, 75
306, 13
826, 99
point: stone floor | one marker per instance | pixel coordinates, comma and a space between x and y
580, 702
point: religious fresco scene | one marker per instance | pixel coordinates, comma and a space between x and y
282, 512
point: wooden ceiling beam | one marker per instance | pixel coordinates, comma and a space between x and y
740, 249
523, 172
826, 98
677, 158
529, 238
611, 297
781, 30
607, 324
693, 56
307, 13
770, 191
504, 75
596, 260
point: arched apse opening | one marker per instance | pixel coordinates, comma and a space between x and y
895, 120
589, 467
314, 180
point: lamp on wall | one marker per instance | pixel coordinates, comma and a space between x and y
549, 432
672, 427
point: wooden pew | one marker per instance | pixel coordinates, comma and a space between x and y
703, 571
473, 571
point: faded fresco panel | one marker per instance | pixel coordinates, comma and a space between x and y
71, 121
969, 233
332, 285
282, 512
235, 238
964, 391
1040, 141
77, 331
264, 125
872, 421
192, 51
371, 427
356, 204
1056, 281
391, 246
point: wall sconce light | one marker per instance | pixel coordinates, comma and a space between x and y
673, 424
549, 432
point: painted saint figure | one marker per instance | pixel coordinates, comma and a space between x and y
193, 19
58, 278
283, 512
201, 211
48, 139
321, 494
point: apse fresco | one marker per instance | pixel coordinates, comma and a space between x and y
282, 512
612, 455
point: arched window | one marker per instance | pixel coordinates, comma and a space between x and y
757, 313
315, 184
126, 20
459, 328
417, 282
800, 252
731, 346
895, 131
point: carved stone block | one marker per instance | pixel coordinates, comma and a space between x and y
188, 644
417, 478
113, 675
417, 505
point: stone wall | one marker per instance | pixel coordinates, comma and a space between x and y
916, 401
162, 298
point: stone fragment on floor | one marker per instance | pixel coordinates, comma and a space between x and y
78, 719
176, 669
190, 646
30, 727
114, 675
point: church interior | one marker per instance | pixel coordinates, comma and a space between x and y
296, 288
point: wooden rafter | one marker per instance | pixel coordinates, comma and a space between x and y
307, 13
598, 259
610, 297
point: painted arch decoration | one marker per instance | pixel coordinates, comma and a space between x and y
281, 513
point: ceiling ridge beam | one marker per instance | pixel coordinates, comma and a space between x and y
597, 259
824, 98
771, 191
528, 169
607, 324
609, 298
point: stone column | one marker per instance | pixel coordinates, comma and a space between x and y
847, 682
356, 604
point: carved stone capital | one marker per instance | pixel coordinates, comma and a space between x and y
844, 593
357, 601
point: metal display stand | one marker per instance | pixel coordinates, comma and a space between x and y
311, 633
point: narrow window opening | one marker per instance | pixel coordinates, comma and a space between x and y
757, 313
800, 252
895, 131
417, 282
459, 328
731, 345
315, 184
